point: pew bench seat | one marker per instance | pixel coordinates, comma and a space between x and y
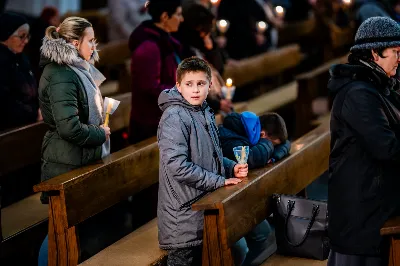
274, 99
278, 260
22, 215
138, 248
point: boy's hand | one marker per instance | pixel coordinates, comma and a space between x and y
241, 170
232, 181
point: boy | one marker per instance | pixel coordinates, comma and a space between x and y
266, 137
191, 162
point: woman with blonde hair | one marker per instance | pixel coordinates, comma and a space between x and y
71, 102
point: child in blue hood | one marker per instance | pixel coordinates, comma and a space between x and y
266, 137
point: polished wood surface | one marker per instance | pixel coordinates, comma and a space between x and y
27, 139
277, 260
391, 227
93, 188
138, 248
264, 65
308, 85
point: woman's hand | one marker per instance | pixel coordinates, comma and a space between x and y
241, 170
107, 131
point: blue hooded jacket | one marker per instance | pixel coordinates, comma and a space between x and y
234, 132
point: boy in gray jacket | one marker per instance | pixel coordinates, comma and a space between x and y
191, 162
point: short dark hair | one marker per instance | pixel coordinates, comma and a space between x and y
193, 64
199, 18
274, 125
365, 54
155, 8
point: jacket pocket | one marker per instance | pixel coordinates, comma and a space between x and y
372, 190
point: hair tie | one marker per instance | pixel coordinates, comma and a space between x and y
58, 29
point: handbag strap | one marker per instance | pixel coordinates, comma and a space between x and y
290, 208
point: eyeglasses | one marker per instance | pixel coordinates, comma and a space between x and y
23, 37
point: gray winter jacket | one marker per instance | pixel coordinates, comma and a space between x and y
191, 165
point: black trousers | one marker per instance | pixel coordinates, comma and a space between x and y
338, 259
185, 256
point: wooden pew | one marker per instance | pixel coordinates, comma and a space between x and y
82, 193
232, 212
264, 65
391, 230
296, 31
28, 218
142, 244
309, 84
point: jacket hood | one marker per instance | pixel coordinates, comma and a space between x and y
148, 31
61, 52
251, 123
173, 97
342, 74
233, 122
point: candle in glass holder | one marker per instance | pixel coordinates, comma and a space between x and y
228, 85
222, 25
280, 11
262, 26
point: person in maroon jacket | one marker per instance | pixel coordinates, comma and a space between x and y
155, 58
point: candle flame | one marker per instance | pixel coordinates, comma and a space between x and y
214, 1
279, 9
223, 23
229, 82
262, 26
347, 2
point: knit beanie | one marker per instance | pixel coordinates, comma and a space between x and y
10, 22
377, 32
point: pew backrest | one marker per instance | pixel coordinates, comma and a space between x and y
21, 147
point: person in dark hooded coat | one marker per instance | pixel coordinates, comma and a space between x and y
365, 147
155, 58
266, 137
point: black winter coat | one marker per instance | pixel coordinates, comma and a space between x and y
18, 90
364, 163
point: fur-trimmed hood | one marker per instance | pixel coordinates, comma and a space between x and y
61, 52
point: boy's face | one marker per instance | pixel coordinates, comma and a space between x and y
194, 87
264, 135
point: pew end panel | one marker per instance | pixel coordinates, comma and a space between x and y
232, 212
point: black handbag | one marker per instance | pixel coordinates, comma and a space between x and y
301, 227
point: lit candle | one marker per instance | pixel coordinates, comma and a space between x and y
229, 82
214, 2
347, 2
261, 26
228, 85
109, 106
222, 25
280, 11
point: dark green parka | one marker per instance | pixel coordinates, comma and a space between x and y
71, 142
